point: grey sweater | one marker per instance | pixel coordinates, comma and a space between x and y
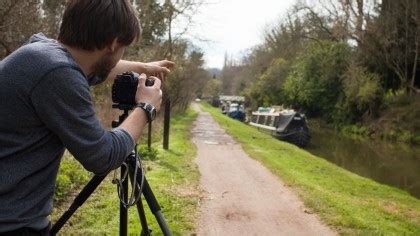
45, 107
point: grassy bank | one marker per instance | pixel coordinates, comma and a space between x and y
173, 177
397, 122
347, 202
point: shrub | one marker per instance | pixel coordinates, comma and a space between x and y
363, 94
71, 176
147, 154
314, 83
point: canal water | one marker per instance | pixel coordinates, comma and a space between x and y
392, 164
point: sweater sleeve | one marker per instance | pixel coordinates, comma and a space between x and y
62, 101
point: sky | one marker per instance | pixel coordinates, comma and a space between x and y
233, 26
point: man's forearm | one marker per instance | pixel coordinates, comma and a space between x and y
135, 123
124, 66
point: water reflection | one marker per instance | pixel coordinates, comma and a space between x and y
391, 164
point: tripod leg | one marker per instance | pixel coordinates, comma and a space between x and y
155, 208
150, 199
78, 201
123, 209
140, 209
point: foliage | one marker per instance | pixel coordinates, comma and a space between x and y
400, 135
152, 21
393, 38
71, 176
266, 90
187, 79
314, 83
146, 153
351, 204
355, 130
213, 88
399, 119
363, 94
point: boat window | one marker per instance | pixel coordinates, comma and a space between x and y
276, 121
268, 121
273, 118
254, 119
261, 120
233, 107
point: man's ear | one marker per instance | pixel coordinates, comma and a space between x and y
113, 46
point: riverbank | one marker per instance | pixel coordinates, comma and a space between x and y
392, 163
347, 202
173, 177
397, 122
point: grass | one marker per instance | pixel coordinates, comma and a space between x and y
173, 177
350, 204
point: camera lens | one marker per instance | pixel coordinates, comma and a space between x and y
149, 82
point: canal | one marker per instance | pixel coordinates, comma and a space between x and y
392, 164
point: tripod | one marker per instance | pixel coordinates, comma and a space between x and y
141, 187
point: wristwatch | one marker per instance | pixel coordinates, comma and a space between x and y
149, 109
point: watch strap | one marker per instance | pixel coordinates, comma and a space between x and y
148, 108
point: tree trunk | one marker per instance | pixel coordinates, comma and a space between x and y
413, 75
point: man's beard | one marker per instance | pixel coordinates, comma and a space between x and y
103, 67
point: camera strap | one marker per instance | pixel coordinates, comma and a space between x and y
136, 188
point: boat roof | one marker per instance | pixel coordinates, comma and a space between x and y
232, 98
274, 112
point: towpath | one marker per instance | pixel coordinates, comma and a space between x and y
241, 196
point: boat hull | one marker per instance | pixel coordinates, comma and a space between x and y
299, 137
287, 125
237, 115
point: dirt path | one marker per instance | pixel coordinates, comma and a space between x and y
241, 196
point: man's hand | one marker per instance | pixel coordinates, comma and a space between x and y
152, 94
137, 120
158, 68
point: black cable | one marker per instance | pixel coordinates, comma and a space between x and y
135, 195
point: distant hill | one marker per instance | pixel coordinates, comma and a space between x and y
215, 71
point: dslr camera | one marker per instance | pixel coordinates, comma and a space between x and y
125, 87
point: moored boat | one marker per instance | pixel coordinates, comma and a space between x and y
287, 125
236, 111
233, 106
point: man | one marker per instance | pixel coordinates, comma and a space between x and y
45, 107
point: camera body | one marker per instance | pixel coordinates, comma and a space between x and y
124, 88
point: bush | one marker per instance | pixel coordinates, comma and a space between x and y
363, 94
147, 154
314, 83
71, 176
355, 130
269, 84
401, 135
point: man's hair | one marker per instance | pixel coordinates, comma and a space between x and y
94, 24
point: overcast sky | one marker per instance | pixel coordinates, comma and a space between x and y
233, 26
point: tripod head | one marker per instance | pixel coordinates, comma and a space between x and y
123, 107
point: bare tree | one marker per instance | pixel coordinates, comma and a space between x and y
182, 12
341, 20
397, 34
18, 20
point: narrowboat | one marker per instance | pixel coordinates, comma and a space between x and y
236, 111
286, 124
233, 106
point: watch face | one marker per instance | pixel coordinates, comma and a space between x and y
152, 111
